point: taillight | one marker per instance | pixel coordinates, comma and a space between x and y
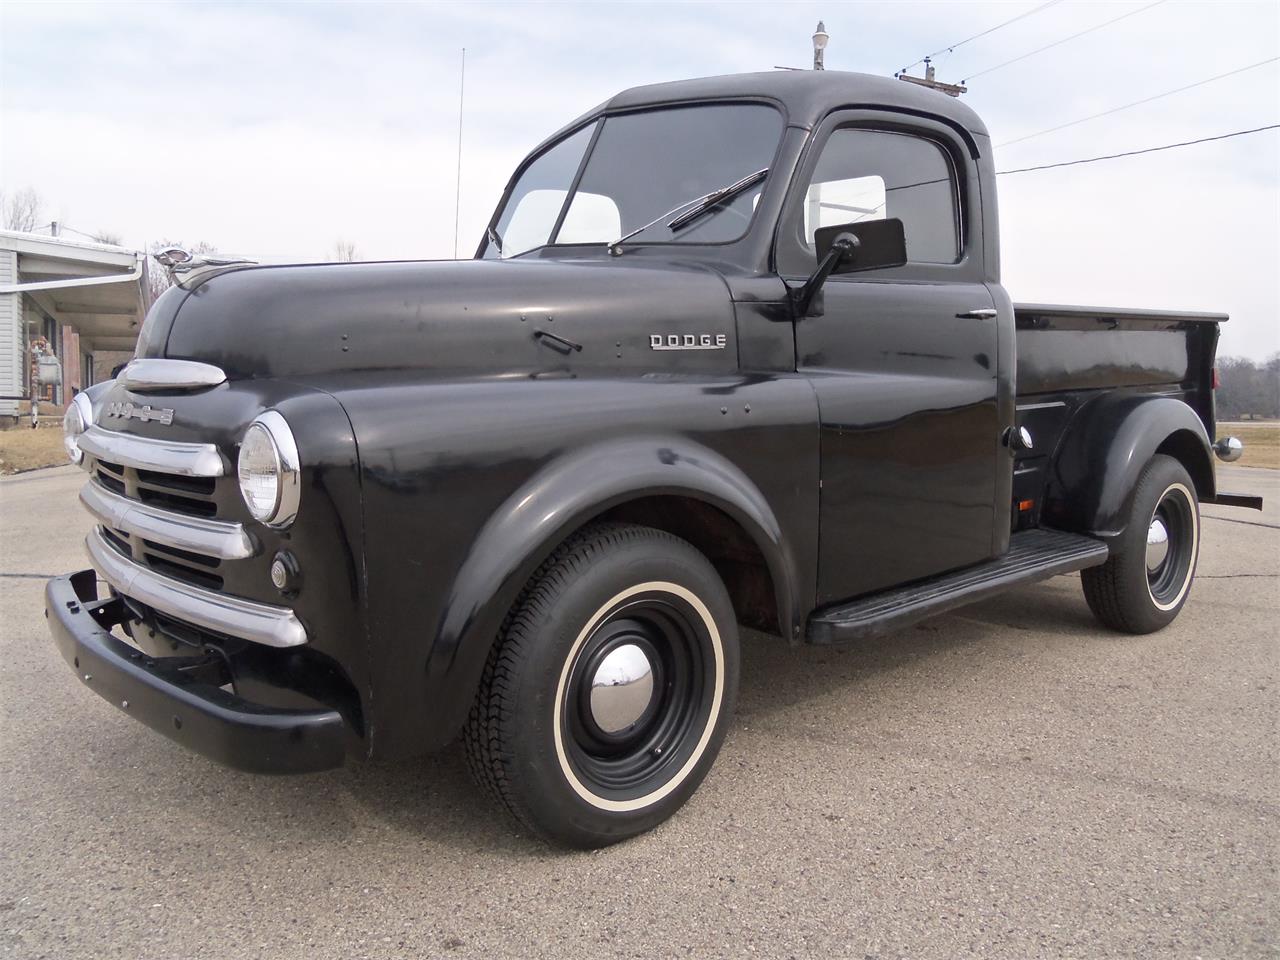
1216, 381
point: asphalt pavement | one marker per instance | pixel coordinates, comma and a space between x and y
1008, 781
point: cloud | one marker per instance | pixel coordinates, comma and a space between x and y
275, 129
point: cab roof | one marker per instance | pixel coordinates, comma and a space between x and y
806, 95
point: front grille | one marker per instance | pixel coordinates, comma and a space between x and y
170, 526
168, 501
190, 495
180, 571
187, 555
185, 496
200, 486
111, 482
118, 540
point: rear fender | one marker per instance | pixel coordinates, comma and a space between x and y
1104, 450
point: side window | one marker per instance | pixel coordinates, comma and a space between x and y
875, 175
535, 203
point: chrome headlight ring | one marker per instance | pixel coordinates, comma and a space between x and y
77, 419
269, 470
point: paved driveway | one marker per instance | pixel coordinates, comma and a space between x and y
1010, 781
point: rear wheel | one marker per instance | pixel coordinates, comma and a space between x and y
1147, 578
605, 700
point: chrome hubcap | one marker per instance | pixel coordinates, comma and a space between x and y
1157, 544
621, 689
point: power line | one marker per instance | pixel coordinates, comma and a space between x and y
1134, 153
1137, 103
1058, 43
949, 49
63, 228
87, 236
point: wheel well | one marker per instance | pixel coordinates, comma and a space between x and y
1185, 447
721, 540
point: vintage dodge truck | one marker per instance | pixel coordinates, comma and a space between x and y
732, 351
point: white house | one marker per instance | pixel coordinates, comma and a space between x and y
79, 301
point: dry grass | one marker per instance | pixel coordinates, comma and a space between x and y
25, 449
1261, 443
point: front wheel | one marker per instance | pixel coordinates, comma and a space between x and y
605, 700
1145, 581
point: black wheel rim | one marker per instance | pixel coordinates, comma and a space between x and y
639, 758
1170, 546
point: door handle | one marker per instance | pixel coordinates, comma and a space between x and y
982, 313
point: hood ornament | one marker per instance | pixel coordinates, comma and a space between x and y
185, 267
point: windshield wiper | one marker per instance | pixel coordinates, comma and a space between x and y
698, 207
716, 198
494, 238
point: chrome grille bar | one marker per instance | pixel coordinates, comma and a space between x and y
215, 538
259, 622
145, 453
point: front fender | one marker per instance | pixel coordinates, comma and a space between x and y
566, 494
1104, 450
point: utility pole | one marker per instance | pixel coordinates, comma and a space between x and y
950, 89
820, 39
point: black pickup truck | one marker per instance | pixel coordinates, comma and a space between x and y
732, 351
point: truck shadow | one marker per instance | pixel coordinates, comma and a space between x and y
432, 804
777, 678
435, 796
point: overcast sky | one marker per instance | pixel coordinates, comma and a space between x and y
273, 130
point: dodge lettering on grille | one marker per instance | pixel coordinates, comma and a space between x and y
140, 411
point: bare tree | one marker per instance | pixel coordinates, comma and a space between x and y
109, 237
344, 251
21, 211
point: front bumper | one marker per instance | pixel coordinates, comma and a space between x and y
182, 697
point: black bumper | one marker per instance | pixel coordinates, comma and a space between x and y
1247, 500
173, 696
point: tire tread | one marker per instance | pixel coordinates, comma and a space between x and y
494, 709
1112, 591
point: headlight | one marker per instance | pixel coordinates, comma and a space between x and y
77, 419
268, 470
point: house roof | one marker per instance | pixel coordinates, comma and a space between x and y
64, 248
98, 288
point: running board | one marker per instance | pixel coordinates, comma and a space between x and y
1033, 555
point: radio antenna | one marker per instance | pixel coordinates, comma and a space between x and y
457, 187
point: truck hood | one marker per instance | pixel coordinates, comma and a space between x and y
495, 317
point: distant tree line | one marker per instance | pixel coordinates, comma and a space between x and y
1248, 389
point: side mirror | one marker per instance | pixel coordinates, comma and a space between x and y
877, 244
850, 248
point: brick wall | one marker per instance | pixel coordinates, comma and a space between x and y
70, 356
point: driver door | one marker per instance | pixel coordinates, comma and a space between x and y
903, 360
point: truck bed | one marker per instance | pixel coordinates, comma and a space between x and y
1069, 355
1064, 348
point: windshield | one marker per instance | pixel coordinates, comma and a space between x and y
639, 166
